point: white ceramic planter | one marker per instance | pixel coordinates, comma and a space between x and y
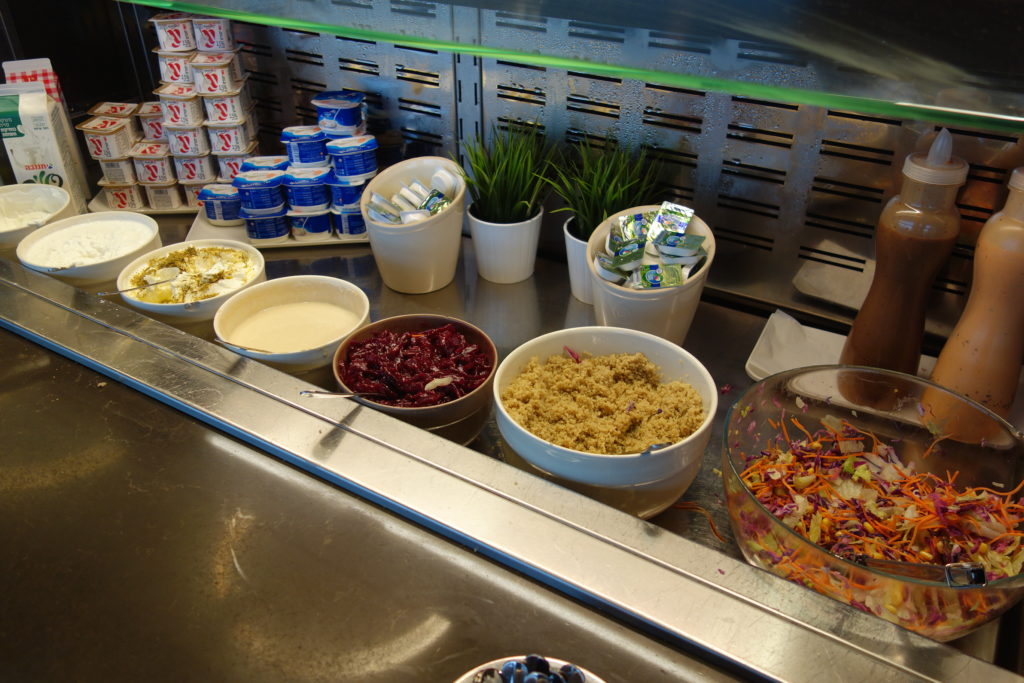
667, 312
579, 271
505, 252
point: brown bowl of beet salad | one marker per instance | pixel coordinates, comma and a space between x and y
429, 370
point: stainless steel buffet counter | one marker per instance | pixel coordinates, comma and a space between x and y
171, 511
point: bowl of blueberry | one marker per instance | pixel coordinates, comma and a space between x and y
529, 669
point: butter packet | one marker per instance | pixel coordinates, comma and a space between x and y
686, 259
668, 230
435, 202
607, 270
629, 256
653, 276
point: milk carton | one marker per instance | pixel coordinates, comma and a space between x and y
40, 141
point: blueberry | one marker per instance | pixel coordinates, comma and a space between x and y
537, 663
536, 677
513, 671
572, 674
555, 678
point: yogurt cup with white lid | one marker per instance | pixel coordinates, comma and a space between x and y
213, 34
191, 192
150, 116
118, 170
221, 204
230, 165
163, 196
174, 31
228, 137
152, 162
120, 110
180, 104
261, 192
265, 163
186, 140
215, 72
197, 168
107, 137
339, 112
175, 67
229, 107
122, 195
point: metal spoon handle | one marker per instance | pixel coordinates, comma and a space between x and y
235, 347
132, 289
311, 393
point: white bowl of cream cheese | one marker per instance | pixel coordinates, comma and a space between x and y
90, 249
189, 281
28, 206
297, 322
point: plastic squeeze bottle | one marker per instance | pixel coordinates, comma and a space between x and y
914, 238
982, 357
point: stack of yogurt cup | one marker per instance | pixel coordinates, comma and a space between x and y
109, 134
206, 114
312, 192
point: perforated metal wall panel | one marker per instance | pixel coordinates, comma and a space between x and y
791, 191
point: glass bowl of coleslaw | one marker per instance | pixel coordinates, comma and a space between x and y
904, 502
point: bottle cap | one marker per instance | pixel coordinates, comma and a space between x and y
1017, 179
939, 166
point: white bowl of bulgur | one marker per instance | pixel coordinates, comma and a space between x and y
587, 404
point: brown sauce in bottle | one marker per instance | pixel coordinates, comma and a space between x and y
916, 233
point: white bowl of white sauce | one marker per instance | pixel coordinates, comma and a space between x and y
89, 249
292, 323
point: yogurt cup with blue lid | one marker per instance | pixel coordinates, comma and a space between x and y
222, 204
265, 163
354, 158
306, 145
260, 191
306, 188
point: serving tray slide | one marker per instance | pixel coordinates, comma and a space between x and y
98, 203
202, 229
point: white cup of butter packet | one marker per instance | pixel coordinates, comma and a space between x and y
648, 266
414, 212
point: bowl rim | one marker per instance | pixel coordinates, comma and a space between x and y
731, 467
407, 410
709, 411
136, 263
83, 218
284, 355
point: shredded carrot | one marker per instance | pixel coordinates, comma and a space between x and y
707, 515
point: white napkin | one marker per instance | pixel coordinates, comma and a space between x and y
785, 344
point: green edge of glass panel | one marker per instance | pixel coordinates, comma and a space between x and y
860, 105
